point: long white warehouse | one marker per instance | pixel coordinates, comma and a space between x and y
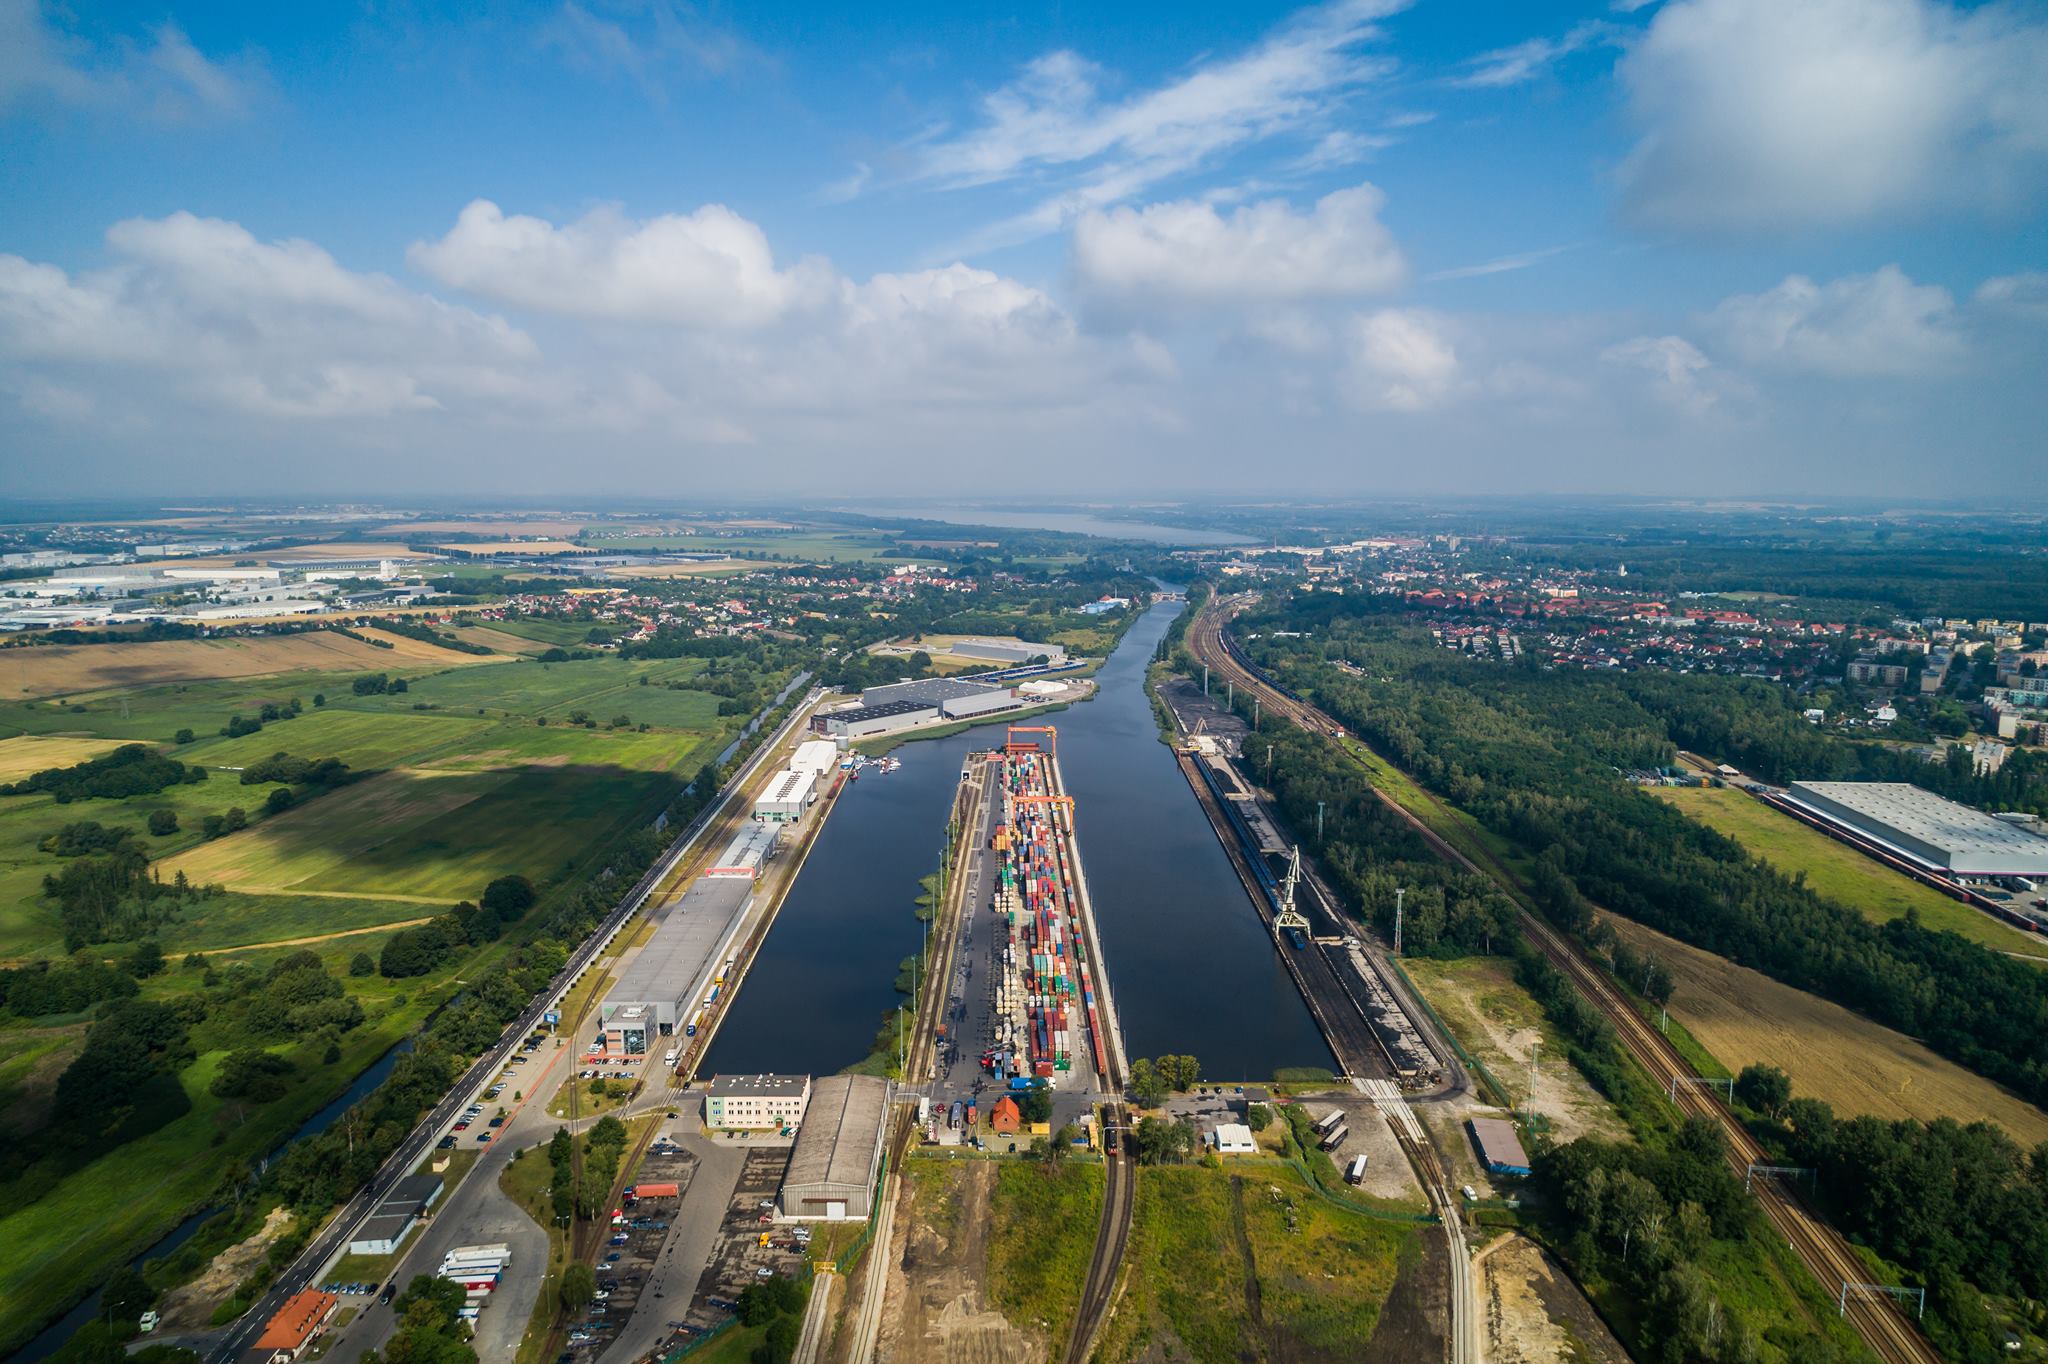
1927, 828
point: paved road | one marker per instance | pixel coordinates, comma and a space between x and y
324, 1249
666, 1294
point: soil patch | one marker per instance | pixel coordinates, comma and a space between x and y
189, 1306
936, 1307
1537, 1315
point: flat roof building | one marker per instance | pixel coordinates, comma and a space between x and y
1233, 1139
838, 1150
857, 722
407, 1202
786, 796
673, 971
931, 689
1930, 829
756, 1103
747, 853
1007, 650
815, 756
1500, 1146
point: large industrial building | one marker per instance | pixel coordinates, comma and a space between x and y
1929, 829
668, 979
838, 1151
747, 854
788, 794
1007, 650
815, 756
900, 705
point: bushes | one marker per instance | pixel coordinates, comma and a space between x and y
297, 771
377, 684
258, 1076
163, 822
41, 988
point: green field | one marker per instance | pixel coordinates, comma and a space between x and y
851, 547
1836, 870
365, 740
1041, 1236
547, 629
155, 713
1205, 1240
529, 687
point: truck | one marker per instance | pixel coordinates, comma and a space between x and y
1329, 1122
1332, 1140
1354, 1173
672, 1057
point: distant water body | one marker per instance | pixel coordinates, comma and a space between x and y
1076, 523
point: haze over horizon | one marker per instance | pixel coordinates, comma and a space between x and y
1702, 247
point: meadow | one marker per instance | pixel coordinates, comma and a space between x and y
1838, 871
851, 547
1744, 1017
26, 754
1247, 1262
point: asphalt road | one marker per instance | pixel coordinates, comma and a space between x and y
314, 1260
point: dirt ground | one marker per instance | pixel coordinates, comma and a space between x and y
1387, 1174
935, 1310
1535, 1314
1743, 1016
189, 1306
1499, 1023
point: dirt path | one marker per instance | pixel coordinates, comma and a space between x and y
324, 937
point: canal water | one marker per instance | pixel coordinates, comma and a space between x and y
1191, 966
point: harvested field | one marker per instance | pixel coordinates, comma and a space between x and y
72, 669
1837, 870
936, 1308
1743, 1016
1500, 1024
27, 754
1535, 1314
694, 568
505, 530
516, 547
498, 639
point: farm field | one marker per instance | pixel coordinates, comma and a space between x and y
25, 754
410, 530
529, 687
1248, 1263
71, 669
490, 637
232, 922
694, 568
365, 740
658, 750
854, 547
515, 547
427, 834
297, 554
1838, 871
1498, 1022
1743, 1016
547, 630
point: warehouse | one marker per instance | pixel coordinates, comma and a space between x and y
1007, 650
407, 1202
674, 970
786, 796
747, 854
1927, 828
1500, 1147
856, 722
756, 1103
838, 1150
815, 756
932, 690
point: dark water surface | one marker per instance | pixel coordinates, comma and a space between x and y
1190, 965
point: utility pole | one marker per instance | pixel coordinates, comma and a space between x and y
1269, 762
1529, 1108
1255, 714
1319, 824
1230, 696
1205, 681
1398, 893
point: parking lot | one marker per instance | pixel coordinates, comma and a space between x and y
751, 1245
639, 1233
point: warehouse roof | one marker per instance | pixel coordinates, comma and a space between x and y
669, 966
1500, 1146
930, 689
854, 715
841, 1138
1967, 836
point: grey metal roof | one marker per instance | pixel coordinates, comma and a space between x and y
930, 689
668, 967
841, 1138
1970, 839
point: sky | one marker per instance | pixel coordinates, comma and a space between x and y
774, 251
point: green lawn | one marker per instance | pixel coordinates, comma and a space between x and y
155, 713
1836, 870
512, 744
548, 629
1041, 1237
237, 921
1202, 1237
528, 687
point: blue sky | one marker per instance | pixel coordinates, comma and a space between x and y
1704, 246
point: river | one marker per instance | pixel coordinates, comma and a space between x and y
1191, 966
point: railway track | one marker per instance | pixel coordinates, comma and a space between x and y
1825, 1253
1119, 1199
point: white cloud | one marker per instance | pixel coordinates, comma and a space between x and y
198, 311
710, 268
1399, 360
1184, 254
651, 43
1680, 374
1766, 114
1525, 61
1880, 324
167, 79
2023, 295
1498, 266
1053, 121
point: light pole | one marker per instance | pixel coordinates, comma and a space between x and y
1398, 893
1319, 824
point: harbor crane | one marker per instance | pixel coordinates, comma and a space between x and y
1290, 921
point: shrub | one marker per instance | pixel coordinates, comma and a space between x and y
162, 822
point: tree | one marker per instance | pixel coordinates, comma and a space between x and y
361, 965
1766, 1089
1258, 1117
163, 822
579, 1285
1035, 1106
1148, 1089
236, 818
126, 1295
146, 960
183, 736
278, 801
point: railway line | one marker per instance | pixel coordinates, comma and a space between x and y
1831, 1260
1119, 1199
